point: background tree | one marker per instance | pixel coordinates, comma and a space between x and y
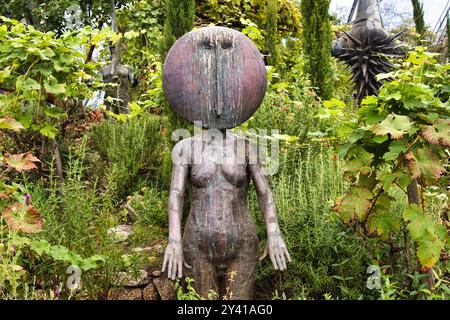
180, 17
418, 16
52, 15
272, 30
317, 44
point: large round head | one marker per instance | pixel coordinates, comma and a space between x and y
215, 76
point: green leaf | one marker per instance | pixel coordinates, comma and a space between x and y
91, 262
4, 74
52, 86
423, 162
60, 253
393, 96
358, 160
387, 179
383, 222
40, 247
380, 139
45, 69
355, 204
27, 85
438, 133
394, 125
428, 235
26, 119
48, 130
352, 139
54, 112
384, 76
395, 149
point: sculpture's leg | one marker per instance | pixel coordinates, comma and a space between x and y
202, 272
244, 269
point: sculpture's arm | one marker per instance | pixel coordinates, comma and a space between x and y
276, 247
173, 257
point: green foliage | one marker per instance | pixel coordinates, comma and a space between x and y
398, 138
272, 31
142, 25
287, 107
429, 236
316, 43
40, 70
418, 16
251, 17
132, 151
19, 254
180, 15
50, 15
326, 257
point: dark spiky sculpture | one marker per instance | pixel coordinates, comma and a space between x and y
366, 49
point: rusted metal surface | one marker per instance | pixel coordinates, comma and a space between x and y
215, 75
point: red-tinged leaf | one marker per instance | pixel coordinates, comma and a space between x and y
8, 122
438, 133
19, 162
354, 204
423, 162
394, 126
358, 160
20, 217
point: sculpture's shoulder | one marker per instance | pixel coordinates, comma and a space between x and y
181, 152
105, 70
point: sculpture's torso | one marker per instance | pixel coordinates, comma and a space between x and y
219, 226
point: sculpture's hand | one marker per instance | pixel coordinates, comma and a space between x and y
277, 250
174, 260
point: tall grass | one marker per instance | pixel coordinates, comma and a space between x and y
132, 152
326, 257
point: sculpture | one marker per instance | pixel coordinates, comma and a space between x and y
216, 75
116, 76
365, 49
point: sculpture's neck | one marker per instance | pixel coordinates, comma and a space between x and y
368, 10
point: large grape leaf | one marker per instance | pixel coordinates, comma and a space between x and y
355, 204
382, 220
394, 126
438, 133
358, 160
51, 85
429, 235
423, 162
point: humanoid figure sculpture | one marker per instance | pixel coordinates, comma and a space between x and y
365, 49
121, 77
216, 76
117, 77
